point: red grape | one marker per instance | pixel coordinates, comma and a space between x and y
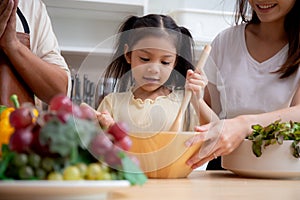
21, 140
112, 158
20, 118
118, 130
63, 116
100, 145
48, 116
36, 145
125, 143
58, 101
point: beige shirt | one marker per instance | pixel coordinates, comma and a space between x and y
148, 115
43, 42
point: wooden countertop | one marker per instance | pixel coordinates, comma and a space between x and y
212, 185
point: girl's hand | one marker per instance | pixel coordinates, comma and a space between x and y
219, 138
105, 119
196, 81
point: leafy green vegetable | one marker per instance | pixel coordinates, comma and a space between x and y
131, 171
275, 133
7, 156
64, 138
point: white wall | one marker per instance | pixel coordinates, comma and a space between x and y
159, 6
204, 18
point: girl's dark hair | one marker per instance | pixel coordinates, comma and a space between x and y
292, 28
136, 28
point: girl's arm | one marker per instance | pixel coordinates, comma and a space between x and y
196, 81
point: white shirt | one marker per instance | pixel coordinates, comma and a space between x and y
43, 42
245, 85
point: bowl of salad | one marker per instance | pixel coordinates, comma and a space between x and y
272, 151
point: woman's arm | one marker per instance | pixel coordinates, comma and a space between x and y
226, 135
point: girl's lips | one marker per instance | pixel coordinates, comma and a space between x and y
151, 79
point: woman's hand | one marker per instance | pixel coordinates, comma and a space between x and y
219, 138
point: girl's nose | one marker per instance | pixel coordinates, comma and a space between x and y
153, 68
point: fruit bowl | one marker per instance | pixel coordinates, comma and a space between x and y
276, 161
163, 154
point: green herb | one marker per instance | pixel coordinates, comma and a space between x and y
275, 133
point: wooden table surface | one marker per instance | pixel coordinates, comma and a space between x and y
212, 185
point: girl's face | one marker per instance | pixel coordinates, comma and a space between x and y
152, 60
272, 10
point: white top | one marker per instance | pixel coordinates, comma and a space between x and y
245, 85
148, 115
43, 42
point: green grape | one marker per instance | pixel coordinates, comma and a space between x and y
40, 174
71, 173
55, 176
47, 164
20, 160
82, 168
104, 167
93, 171
34, 160
26, 172
114, 176
104, 176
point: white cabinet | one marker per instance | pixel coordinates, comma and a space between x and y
81, 25
204, 25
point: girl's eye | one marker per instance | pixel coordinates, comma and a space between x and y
145, 59
165, 63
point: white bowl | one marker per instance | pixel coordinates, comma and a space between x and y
276, 161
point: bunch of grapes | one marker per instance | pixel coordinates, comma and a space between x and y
107, 149
27, 125
33, 159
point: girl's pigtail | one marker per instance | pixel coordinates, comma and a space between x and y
186, 51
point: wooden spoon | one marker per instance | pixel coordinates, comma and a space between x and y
177, 125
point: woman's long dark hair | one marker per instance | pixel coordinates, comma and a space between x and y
292, 28
136, 28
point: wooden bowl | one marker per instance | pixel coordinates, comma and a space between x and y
163, 154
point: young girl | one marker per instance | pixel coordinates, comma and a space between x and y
152, 61
258, 61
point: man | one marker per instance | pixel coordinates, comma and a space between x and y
34, 56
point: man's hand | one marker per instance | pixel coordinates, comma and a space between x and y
8, 10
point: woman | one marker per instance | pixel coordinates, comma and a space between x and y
257, 63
